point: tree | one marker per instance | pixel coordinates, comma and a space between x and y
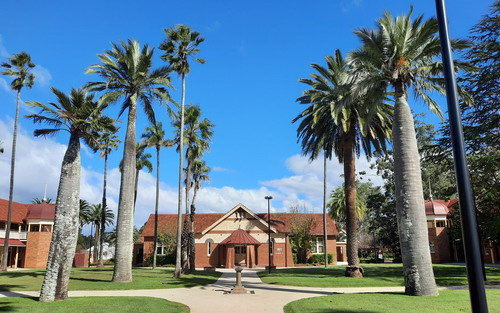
127, 73
180, 45
401, 53
141, 161
199, 173
300, 235
40, 201
19, 66
198, 135
95, 219
81, 117
107, 143
340, 122
155, 137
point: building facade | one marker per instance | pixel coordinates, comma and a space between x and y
30, 233
239, 238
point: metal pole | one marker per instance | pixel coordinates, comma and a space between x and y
466, 201
268, 198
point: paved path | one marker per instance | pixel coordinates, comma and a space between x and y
214, 298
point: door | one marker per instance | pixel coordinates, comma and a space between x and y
240, 255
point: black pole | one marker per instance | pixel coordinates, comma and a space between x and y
268, 198
466, 201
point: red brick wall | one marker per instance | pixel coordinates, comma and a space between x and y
439, 237
203, 259
37, 249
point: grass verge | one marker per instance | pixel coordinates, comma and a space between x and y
376, 275
100, 279
448, 301
92, 305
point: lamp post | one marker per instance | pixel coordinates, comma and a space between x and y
466, 200
268, 198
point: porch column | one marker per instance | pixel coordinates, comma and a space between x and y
229, 257
251, 256
16, 257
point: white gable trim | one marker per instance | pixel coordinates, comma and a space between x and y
238, 206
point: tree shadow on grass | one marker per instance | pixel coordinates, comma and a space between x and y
4, 287
17, 274
7, 306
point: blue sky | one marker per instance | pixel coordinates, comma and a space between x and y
255, 51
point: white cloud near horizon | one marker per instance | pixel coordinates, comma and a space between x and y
38, 162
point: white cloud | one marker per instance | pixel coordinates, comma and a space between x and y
5, 85
221, 169
42, 76
3, 51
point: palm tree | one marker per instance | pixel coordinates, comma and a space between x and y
337, 204
400, 54
40, 201
197, 134
19, 67
141, 161
337, 122
95, 219
155, 137
199, 173
80, 116
107, 142
127, 73
181, 44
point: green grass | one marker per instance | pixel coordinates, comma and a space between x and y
100, 279
92, 305
376, 275
448, 301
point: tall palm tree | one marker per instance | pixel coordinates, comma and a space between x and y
128, 74
19, 66
402, 53
155, 137
337, 122
199, 174
81, 117
198, 135
107, 143
180, 45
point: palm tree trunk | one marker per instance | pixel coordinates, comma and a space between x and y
125, 221
185, 230
96, 241
90, 244
177, 272
155, 244
103, 216
325, 235
192, 256
136, 185
65, 231
5, 254
412, 224
353, 269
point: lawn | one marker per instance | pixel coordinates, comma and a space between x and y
376, 275
100, 279
92, 305
448, 301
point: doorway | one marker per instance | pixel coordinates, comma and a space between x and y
240, 255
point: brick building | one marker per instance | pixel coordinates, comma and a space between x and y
30, 233
239, 237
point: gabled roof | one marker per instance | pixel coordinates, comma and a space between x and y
19, 211
244, 208
240, 237
42, 211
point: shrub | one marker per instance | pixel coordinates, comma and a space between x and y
397, 260
294, 257
320, 258
161, 260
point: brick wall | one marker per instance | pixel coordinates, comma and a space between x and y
439, 237
37, 249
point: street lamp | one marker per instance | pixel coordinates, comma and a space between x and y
268, 198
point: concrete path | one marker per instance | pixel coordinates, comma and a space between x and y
260, 298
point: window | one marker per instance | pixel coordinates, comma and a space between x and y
318, 245
14, 226
271, 246
239, 215
209, 243
240, 250
46, 228
431, 247
161, 249
34, 228
440, 223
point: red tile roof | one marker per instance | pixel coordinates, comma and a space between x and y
12, 243
19, 211
42, 211
280, 221
439, 207
240, 236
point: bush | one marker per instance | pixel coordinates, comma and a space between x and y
397, 260
367, 260
161, 260
320, 258
294, 257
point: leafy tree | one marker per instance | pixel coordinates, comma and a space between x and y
180, 45
128, 74
338, 121
155, 137
19, 66
107, 142
81, 117
402, 53
301, 239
